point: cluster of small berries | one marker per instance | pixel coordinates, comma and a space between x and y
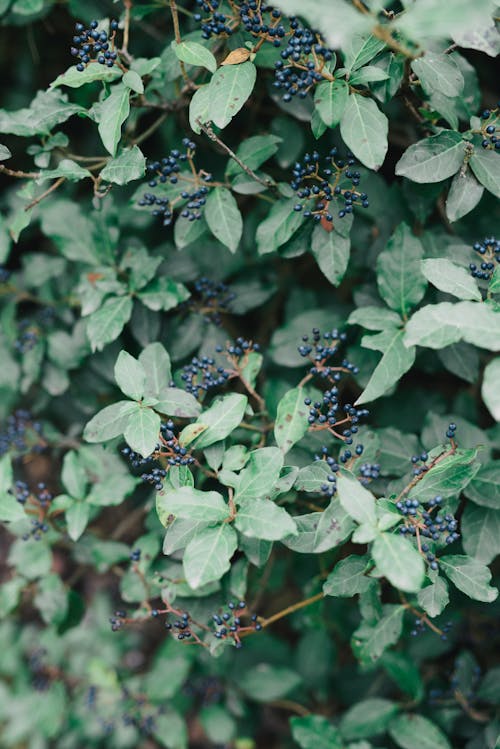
180, 627
230, 625
207, 689
490, 127
94, 45
318, 187
330, 487
4, 274
190, 200
304, 62
257, 18
30, 329
419, 626
41, 679
21, 433
117, 620
320, 348
368, 472
203, 374
324, 415
167, 449
217, 24
420, 463
135, 555
211, 299
241, 347
428, 526
489, 250
41, 496
450, 432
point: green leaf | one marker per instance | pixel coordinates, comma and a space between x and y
199, 108
73, 475
176, 402
369, 641
398, 560
193, 504
10, 509
489, 388
434, 598
4, 153
330, 99
433, 159
130, 164
321, 531
331, 251
142, 431
66, 168
367, 718
130, 376
399, 276
348, 578
163, 293
110, 422
106, 324
291, 420
395, 362
417, 732
315, 732
258, 478
265, 683
364, 128
156, 363
486, 166
218, 421
439, 325
480, 531
48, 109
111, 114
450, 278
208, 555
230, 87
404, 672
469, 576
360, 50
449, 476
74, 78
51, 599
374, 318
261, 518
356, 500
484, 488
195, 54
464, 194
438, 72
253, 152
77, 517
279, 226
6, 473
224, 218
430, 19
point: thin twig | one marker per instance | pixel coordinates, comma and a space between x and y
41, 197
178, 38
18, 174
151, 129
291, 609
267, 182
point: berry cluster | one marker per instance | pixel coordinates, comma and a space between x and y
31, 329
216, 24
117, 621
304, 62
257, 18
21, 434
490, 127
318, 187
135, 555
368, 471
4, 274
94, 45
168, 170
241, 347
450, 432
420, 625
39, 499
180, 627
41, 678
320, 348
489, 251
211, 299
330, 487
422, 522
230, 625
168, 452
202, 374
420, 464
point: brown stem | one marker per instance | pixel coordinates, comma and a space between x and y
294, 707
178, 38
151, 129
19, 174
291, 609
45, 194
126, 28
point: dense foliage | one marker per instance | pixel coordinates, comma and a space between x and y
249, 470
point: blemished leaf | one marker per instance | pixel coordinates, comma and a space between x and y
485, 165
260, 474
433, 159
469, 576
348, 577
142, 431
195, 54
399, 561
224, 218
230, 87
489, 388
224, 415
261, 518
480, 530
395, 362
156, 362
356, 500
129, 165
111, 114
291, 420
330, 99
416, 732
367, 718
199, 108
399, 277
106, 324
130, 375
451, 278
331, 251
208, 555
279, 226
434, 597
110, 422
192, 504
176, 402
439, 325
364, 128
315, 732
439, 72
463, 196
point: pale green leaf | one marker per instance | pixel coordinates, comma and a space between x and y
195, 54
399, 561
224, 218
433, 159
291, 420
142, 431
208, 555
129, 165
450, 278
364, 128
469, 576
230, 87
130, 375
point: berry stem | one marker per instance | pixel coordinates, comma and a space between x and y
291, 609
